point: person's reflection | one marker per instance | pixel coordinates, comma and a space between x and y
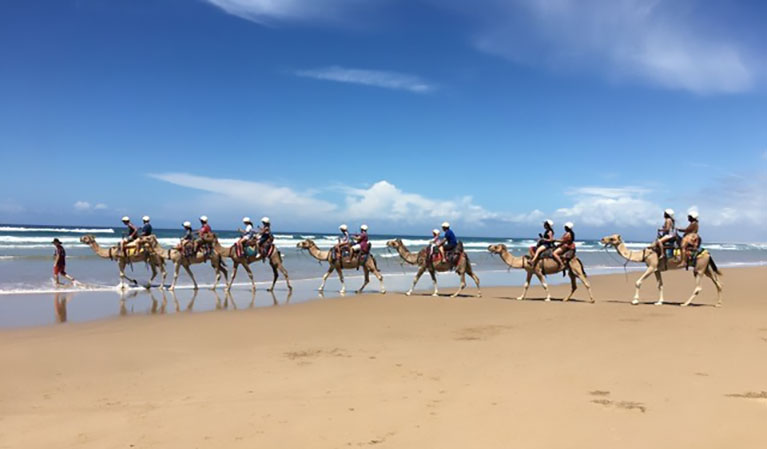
60, 301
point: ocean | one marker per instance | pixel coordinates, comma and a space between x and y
26, 256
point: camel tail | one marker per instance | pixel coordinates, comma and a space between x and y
375, 263
583, 268
713, 266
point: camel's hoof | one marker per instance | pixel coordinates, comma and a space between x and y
171, 288
383, 292
635, 302
683, 304
592, 301
549, 299
659, 303
357, 292
408, 293
519, 298
717, 305
479, 295
270, 289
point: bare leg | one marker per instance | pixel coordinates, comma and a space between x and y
638, 284
537, 254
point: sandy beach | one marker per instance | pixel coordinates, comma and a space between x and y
393, 371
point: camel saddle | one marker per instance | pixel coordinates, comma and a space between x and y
454, 257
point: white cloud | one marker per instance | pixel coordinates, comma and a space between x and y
599, 206
269, 11
85, 206
655, 42
375, 78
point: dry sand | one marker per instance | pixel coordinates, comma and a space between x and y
391, 371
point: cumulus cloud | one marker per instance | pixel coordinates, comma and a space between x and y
374, 78
599, 206
85, 206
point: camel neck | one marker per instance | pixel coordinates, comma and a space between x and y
633, 256
513, 262
407, 255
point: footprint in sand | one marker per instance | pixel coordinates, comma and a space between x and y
314, 353
760, 396
625, 405
480, 332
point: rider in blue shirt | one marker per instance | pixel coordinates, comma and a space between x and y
449, 241
146, 229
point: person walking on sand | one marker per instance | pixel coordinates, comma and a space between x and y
60, 263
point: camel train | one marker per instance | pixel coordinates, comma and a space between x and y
443, 254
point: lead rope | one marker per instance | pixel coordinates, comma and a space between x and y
625, 263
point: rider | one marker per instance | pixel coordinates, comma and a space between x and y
545, 242
449, 241
435, 239
203, 233
265, 237
566, 243
146, 228
667, 232
245, 235
187, 238
690, 237
131, 234
344, 241
361, 242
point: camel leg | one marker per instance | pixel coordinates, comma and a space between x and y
476, 281
461, 286
189, 272
573, 287
659, 278
176, 269
274, 280
545, 286
379, 276
250, 275
526, 286
433, 275
164, 273
220, 269
340, 271
638, 284
366, 278
418, 276
325, 278
154, 275
586, 284
285, 275
717, 283
234, 275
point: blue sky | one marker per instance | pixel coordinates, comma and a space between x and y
494, 115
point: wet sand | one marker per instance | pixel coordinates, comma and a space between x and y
392, 371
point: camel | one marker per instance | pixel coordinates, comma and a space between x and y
114, 253
543, 267
420, 260
704, 264
275, 260
340, 265
180, 260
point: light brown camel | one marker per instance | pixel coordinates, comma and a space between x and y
704, 264
545, 266
180, 260
342, 264
114, 253
275, 260
420, 260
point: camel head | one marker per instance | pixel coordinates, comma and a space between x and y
611, 240
88, 239
306, 244
497, 249
396, 243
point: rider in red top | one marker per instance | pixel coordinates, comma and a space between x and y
205, 228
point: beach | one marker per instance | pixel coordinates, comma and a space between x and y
394, 371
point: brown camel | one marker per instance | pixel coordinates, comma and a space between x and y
180, 260
341, 264
114, 253
704, 264
543, 267
421, 261
275, 260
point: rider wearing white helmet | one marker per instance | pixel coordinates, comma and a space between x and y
449, 240
131, 233
361, 244
245, 235
566, 244
545, 241
265, 237
146, 229
344, 243
690, 237
667, 232
187, 238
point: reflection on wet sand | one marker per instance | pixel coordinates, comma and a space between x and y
60, 301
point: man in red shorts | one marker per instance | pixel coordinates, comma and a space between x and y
60, 263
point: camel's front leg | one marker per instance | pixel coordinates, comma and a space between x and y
234, 275
526, 286
573, 287
176, 270
638, 284
461, 286
418, 276
659, 279
325, 278
250, 275
697, 290
340, 271
545, 286
366, 279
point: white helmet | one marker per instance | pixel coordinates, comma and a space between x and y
126, 218
435, 231
204, 218
343, 227
569, 225
669, 212
694, 215
145, 218
445, 224
246, 220
364, 227
549, 222
187, 224
265, 220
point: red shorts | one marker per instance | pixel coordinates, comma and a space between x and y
59, 269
